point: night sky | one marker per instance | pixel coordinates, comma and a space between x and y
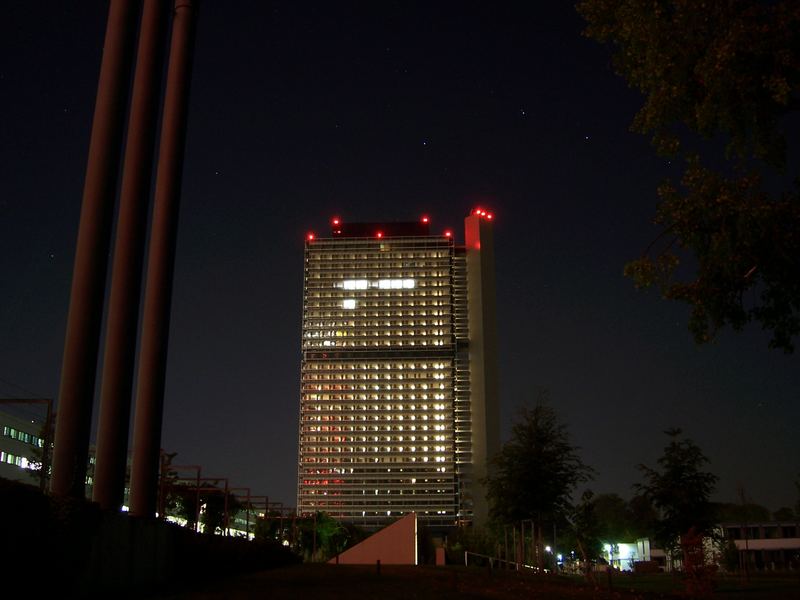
385, 111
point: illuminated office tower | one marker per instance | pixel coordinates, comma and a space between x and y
398, 408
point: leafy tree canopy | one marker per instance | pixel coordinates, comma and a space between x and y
680, 490
586, 528
535, 473
619, 520
321, 537
214, 507
743, 513
615, 518
785, 513
729, 68
797, 503
643, 516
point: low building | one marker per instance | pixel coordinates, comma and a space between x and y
765, 546
21, 445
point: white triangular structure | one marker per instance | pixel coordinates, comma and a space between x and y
395, 544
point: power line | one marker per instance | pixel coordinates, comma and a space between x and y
23, 409
19, 387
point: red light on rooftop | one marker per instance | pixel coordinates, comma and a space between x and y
310, 236
335, 220
476, 211
489, 216
448, 233
379, 234
425, 218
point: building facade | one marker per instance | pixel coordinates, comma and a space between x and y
765, 546
21, 448
398, 408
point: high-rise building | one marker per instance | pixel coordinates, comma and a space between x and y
398, 407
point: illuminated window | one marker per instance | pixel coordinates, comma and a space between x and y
355, 284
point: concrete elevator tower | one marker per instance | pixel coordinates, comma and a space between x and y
479, 249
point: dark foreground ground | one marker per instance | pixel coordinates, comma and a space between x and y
335, 582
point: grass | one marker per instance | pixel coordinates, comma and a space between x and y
349, 582
760, 585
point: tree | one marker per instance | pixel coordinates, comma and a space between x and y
536, 472
182, 500
729, 69
584, 534
320, 537
621, 520
784, 513
680, 490
614, 518
643, 517
797, 503
214, 509
747, 512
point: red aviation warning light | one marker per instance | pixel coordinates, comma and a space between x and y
335, 221
482, 213
379, 234
310, 236
425, 219
448, 233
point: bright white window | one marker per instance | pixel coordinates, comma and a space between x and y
355, 284
395, 284
349, 303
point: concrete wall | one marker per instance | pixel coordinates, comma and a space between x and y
395, 544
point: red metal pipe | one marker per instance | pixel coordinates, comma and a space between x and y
123, 311
79, 367
160, 265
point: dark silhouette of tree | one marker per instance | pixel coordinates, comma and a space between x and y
214, 508
587, 528
643, 517
797, 503
742, 513
680, 490
182, 501
320, 537
269, 526
614, 517
729, 69
784, 513
536, 472
580, 537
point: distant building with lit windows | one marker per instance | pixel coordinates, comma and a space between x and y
398, 407
21, 445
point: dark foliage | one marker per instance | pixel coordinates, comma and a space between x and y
742, 513
727, 69
680, 490
536, 472
586, 528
